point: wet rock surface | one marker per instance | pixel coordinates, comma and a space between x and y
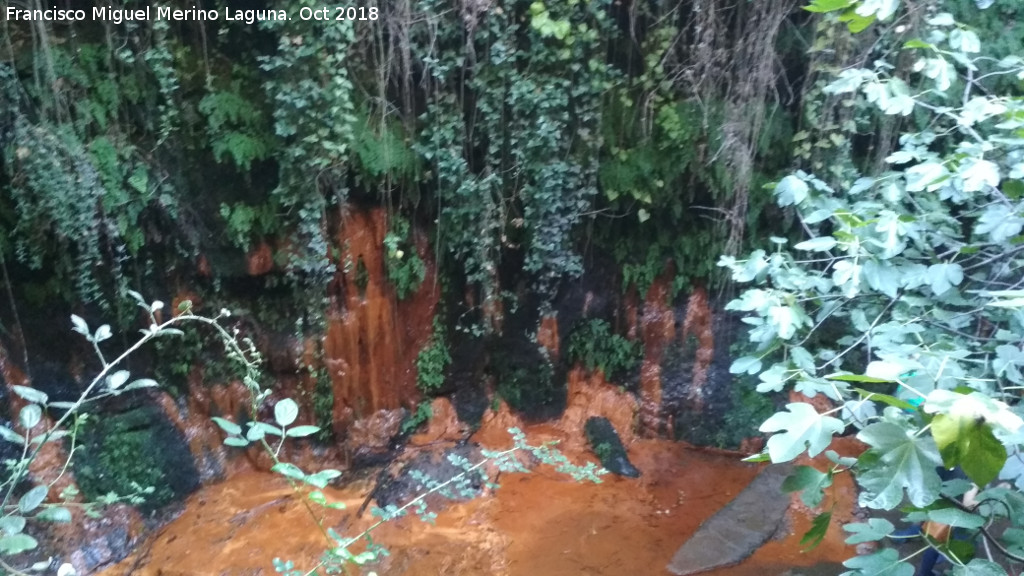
606, 445
736, 531
426, 466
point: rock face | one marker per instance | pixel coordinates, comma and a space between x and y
738, 529
605, 443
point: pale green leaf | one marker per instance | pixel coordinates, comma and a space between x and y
11, 436
748, 364
791, 190
289, 470
874, 529
885, 562
79, 325
16, 544
819, 244
286, 411
236, 441
33, 498
904, 461
797, 429
117, 379
30, 416
56, 514
102, 333
227, 425
979, 567
956, 518
301, 431
30, 394
12, 524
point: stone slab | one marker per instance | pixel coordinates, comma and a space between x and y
739, 528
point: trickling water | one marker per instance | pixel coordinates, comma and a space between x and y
372, 337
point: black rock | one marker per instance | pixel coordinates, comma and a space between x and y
605, 443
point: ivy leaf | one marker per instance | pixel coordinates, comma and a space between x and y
978, 173
811, 484
236, 441
885, 562
805, 429
875, 529
816, 534
856, 23
967, 442
897, 460
286, 411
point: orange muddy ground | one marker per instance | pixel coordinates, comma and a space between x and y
538, 524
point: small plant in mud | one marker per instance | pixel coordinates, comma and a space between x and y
419, 417
432, 361
595, 346
405, 268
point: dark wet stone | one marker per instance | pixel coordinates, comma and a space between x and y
438, 466
605, 443
739, 528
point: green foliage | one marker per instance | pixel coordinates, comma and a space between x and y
418, 418
120, 454
527, 387
433, 361
908, 266
383, 150
522, 168
593, 344
236, 127
244, 222
308, 81
323, 404
404, 267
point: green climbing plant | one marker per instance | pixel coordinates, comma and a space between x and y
593, 344
405, 269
